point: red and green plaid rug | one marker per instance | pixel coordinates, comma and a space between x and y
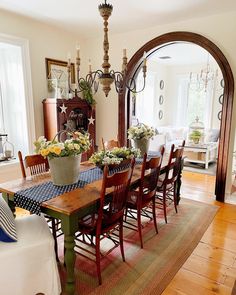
148, 270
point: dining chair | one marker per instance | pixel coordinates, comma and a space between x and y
144, 195
167, 185
107, 219
110, 144
28, 264
37, 164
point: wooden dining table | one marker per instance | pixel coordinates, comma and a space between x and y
68, 207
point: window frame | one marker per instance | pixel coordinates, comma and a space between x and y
26, 66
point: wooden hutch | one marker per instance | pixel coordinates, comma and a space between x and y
68, 114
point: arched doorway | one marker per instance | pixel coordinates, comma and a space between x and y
227, 107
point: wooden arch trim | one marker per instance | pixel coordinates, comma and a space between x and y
227, 107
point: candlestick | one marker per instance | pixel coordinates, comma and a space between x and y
90, 66
77, 50
124, 52
144, 58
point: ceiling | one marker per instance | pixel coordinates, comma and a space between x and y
181, 53
82, 16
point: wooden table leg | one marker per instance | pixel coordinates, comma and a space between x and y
69, 227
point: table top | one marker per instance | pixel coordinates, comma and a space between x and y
70, 202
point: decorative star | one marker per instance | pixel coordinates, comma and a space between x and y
63, 108
91, 120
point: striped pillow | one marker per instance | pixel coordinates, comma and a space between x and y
7, 223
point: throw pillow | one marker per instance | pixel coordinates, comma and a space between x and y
7, 223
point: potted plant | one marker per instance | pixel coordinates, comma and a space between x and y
141, 135
64, 157
195, 136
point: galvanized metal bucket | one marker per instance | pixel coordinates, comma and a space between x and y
142, 144
65, 170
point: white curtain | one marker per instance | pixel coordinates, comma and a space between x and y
13, 113
145, 100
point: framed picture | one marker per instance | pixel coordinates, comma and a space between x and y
222, 83
160, 114
161, 84
58, 68
161, 99
221, 97
57, 77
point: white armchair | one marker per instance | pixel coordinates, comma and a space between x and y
29, 266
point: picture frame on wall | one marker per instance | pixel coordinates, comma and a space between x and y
162, 84
57, 77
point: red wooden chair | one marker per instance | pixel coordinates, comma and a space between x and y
110, 144
108, 218
144, 195
167, 184
37, 165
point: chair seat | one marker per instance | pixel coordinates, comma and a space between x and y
88, 223
29, 266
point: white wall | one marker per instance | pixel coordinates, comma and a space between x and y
220, 29
44, 41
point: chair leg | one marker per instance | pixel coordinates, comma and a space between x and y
154, 214
126, 211
54, 233
164, 203
121, 240
140, 227
98, 259
175, 198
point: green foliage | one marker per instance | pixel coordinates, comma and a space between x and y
195, 134
87, 92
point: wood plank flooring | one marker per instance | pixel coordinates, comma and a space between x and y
211, 269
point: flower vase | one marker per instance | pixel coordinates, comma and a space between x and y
65, 170
142, 144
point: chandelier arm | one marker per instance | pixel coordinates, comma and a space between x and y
118, 80
132, 85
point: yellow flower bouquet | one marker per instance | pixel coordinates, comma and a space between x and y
75, 145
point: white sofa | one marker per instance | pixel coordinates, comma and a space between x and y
168, 135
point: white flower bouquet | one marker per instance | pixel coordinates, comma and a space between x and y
113, 157
141, 131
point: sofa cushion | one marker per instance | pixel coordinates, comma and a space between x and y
7, 223
212, 135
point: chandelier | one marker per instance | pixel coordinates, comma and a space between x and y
202, 80
105, 77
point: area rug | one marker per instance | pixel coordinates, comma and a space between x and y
196, 168
148, 270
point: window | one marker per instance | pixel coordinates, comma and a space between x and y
194, 103
16, 106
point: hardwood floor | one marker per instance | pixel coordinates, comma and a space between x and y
211, 269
